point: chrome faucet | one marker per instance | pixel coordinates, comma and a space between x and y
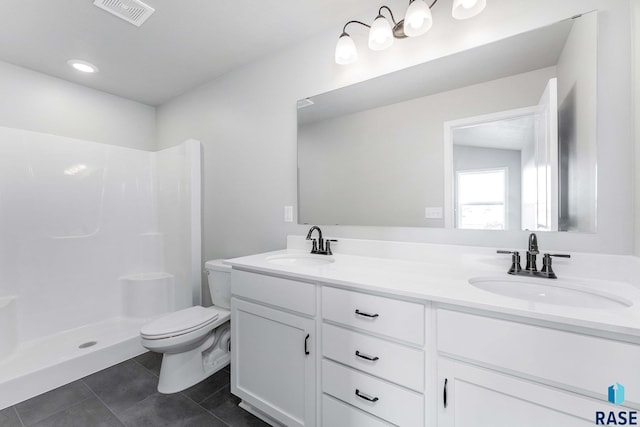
531, 269
318, 246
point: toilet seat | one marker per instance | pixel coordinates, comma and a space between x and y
179, 323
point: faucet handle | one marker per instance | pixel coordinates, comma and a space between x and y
546, 264
328, 246
314, 246
515, 261
558, 255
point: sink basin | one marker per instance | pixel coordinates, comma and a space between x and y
300, 259
548, 291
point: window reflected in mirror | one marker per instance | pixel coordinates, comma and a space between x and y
481, 197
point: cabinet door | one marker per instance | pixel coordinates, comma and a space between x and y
478, 397
273, 362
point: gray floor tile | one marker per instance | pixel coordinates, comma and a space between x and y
150, 360
224, 405
47, 404
168, 410
207, 387
9, 418
88, 413
123, 385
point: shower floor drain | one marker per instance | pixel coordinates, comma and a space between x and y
88, 344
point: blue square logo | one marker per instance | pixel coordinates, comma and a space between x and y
616, 394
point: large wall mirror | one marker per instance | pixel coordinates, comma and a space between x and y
498, 137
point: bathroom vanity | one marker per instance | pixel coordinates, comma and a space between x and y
397, 335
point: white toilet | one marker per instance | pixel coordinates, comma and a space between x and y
195, 342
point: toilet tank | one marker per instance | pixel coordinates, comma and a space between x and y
219, 278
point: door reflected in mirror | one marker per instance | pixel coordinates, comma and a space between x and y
504, 168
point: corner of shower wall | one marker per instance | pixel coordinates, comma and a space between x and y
178, 183
9, 328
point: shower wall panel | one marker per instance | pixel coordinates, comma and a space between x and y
75, 216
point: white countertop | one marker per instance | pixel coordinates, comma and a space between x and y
447, 282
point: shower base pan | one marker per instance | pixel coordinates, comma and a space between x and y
37, 366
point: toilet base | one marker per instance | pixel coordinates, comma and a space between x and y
180, 371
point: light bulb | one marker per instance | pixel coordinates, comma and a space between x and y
380, 34
418, 19
346, 52
463, 9
84, 66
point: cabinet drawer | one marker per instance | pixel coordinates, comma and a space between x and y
337, 413
392, 403
394, 362
385, 316
285, 293
559, 357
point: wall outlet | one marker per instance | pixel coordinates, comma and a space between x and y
433, 213
288, 214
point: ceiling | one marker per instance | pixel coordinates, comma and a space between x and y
182, 45
506, 134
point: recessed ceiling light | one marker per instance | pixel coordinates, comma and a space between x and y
84, 66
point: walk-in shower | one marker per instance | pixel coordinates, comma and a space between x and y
95, 240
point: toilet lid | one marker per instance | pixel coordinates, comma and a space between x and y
179, 322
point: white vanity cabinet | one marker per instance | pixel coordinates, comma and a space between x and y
273, 347
373, 366
307, 353
498, 372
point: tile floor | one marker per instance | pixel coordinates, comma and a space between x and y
126, 395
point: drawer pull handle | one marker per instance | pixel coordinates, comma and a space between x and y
362, 313
366, 356
444, 393
365, 397
306, 343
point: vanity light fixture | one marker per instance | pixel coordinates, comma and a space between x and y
84, 66
417, 21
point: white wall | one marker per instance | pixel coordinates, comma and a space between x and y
636, 80
577, 80
33, 101
246, 121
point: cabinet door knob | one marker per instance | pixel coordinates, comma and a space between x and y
362, 313
306, 345
366, 397
366, 356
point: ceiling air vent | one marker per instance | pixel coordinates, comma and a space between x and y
132, 11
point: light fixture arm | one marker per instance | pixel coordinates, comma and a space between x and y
344, 29
390, 13
430, 6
